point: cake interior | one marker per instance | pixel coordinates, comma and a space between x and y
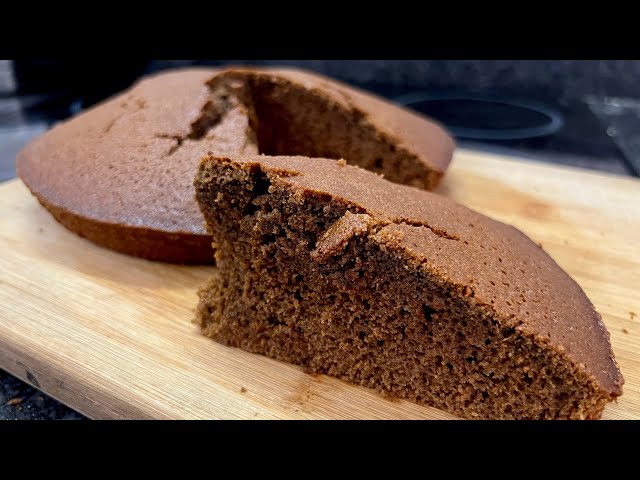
344, 305
287, 118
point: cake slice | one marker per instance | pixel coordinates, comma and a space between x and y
121, 174
333, 268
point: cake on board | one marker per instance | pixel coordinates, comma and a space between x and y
331, 267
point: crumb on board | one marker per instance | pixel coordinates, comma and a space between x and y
632, 315
624, 330
243, 390
342, 162
389, 396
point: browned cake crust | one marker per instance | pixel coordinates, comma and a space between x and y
333, 268
121, 173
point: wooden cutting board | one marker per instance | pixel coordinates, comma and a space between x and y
111, 335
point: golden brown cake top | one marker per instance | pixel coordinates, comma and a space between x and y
118, 162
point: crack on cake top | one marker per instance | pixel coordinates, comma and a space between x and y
439, 232
225, 95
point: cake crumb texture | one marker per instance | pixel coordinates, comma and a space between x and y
335, 269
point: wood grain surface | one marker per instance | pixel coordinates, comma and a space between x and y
112, 336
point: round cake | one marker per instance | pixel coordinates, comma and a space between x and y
121, 174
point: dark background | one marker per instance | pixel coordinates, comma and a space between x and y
597, 102
584, 113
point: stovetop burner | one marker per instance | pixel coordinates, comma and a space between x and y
485, 117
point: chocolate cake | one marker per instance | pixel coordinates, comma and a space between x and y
333, 268
121, 173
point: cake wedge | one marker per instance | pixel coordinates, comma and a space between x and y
333, 268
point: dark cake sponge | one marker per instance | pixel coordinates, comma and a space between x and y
336, 269
120, 174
